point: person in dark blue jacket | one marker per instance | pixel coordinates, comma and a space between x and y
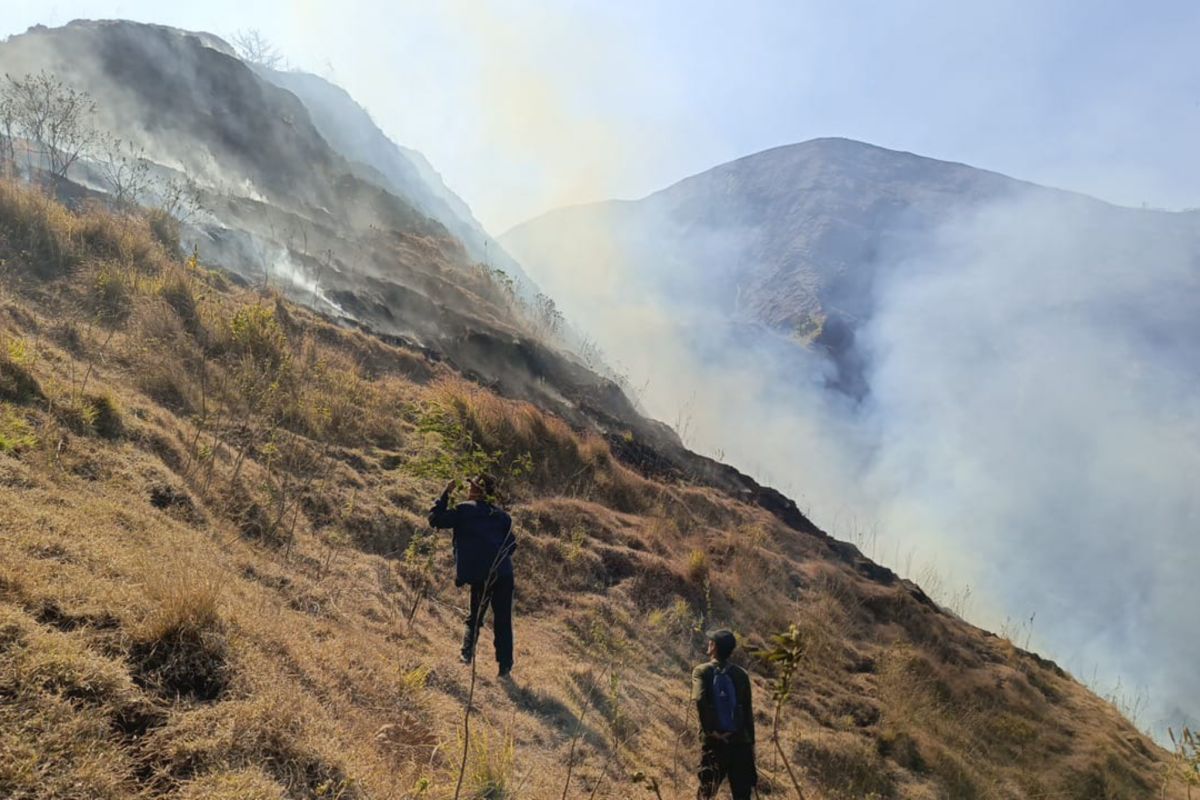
483, 547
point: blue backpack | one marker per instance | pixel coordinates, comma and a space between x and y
725, 701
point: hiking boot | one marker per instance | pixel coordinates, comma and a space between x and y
505, 673
466, 658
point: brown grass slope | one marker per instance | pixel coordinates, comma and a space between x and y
216, 582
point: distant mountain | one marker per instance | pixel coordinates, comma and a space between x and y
795, 238
1002, 373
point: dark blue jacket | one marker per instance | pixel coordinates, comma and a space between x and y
483, 536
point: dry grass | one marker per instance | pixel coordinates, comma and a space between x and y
206, 577
181, 647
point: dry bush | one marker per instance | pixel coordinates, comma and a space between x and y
331, 401
17, 383
50, 240
177, 291
73, 412
106, 418
125, 239
37, 229
111, 292
165, 229
536, 451
505, 430
254, 331
168, 363
696, 569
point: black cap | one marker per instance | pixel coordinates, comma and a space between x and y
486, 482
725, 640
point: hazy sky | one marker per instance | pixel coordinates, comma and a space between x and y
524, 106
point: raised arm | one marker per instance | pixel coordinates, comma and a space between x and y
441, 515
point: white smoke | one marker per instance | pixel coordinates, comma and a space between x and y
300, 284
1032, 429
1036, 390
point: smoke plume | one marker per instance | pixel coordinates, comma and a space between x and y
1031, 428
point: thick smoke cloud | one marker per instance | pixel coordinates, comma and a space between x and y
1035, 387
1032, 429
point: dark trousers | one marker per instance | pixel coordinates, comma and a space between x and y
500, 598
720, 760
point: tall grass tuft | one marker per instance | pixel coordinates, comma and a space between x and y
181, 646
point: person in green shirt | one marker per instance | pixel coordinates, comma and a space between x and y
721, 691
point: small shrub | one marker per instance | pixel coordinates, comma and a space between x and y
17, 383
176, 291
490, 768
112, 294
106, 418
165, 230
16, 434
675, 619
77, 414
1184, 766
697, 566
255, 331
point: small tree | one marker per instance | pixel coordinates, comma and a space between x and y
419, 559
179, 197
254, 48
785, 655
125, 169
592, 355
8, 125
55, 117
1184, 766
546, 315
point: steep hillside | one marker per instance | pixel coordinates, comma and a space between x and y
282, 208
407, 173
282, 205
216, 582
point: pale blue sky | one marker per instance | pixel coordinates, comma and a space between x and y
526, 105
